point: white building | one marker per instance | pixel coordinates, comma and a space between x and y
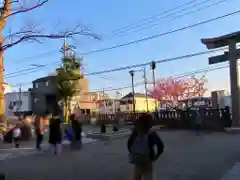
109, 106
17, 102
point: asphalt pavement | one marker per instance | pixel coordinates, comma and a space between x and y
186, 157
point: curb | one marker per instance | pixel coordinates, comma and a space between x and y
232, 174
232, 130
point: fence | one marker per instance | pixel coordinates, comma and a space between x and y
212, 119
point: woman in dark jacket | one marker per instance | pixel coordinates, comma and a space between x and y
55, 134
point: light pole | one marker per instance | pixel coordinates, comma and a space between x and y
153, 67
145, 85
133, 92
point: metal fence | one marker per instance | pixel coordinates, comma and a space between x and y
211, 119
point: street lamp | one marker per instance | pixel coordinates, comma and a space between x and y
133, 91
153, 67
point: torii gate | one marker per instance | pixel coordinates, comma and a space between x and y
232, 56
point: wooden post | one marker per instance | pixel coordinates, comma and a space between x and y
233, 62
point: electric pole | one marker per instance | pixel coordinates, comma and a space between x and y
133, 94
145, 84
153, 67
20, 98
66, 49
104, 103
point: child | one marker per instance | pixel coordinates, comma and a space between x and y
141, 146
16, 135
55, 134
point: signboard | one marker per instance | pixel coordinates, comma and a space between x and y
221, 58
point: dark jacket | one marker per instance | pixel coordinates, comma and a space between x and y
153, 139
77, 129
55, 134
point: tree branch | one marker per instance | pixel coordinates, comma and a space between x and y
23, 10
34, 34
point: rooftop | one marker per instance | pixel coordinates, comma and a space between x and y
221, 41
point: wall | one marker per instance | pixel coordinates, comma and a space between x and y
140, 105
38, 103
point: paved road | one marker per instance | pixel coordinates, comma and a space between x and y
86, 129
27, 150
186, 157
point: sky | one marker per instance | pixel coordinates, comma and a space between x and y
107, 20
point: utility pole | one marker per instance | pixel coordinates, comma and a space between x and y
66, 48
133, 94
20, 98
145, 84
104, 103
153, 67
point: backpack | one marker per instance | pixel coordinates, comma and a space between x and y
140, 151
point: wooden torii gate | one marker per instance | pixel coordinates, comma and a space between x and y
232, 56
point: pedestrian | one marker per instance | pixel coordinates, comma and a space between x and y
227, 116
78, 120
198, 122
16, 135
141, 146
55, 134
39, 131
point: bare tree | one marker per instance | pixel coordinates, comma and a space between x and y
28, 33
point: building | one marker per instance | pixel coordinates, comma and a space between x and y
141, 104
17, 102
109, 106
44, 97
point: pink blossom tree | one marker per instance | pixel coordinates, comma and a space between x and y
173, 91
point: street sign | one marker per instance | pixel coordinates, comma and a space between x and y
221, 58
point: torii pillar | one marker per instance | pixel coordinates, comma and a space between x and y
232, 56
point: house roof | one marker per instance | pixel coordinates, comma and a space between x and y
44, 78
221, 41
130, 95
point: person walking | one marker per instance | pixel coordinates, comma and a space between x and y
141, 147
55, 134
16, 135
76, 131
198, 122
39, 131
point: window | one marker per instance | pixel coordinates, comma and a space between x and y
35, 100
46, 83
36, 85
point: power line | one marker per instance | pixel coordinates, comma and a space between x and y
25, 73
123, 33
151, 17
162, 34
159, 35
39, 56
29, 70
158, 61
199, 9
35, 69
181, 75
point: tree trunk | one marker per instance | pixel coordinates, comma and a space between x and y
2, 101
5, 11
66, 110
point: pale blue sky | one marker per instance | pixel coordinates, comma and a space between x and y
105, 16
